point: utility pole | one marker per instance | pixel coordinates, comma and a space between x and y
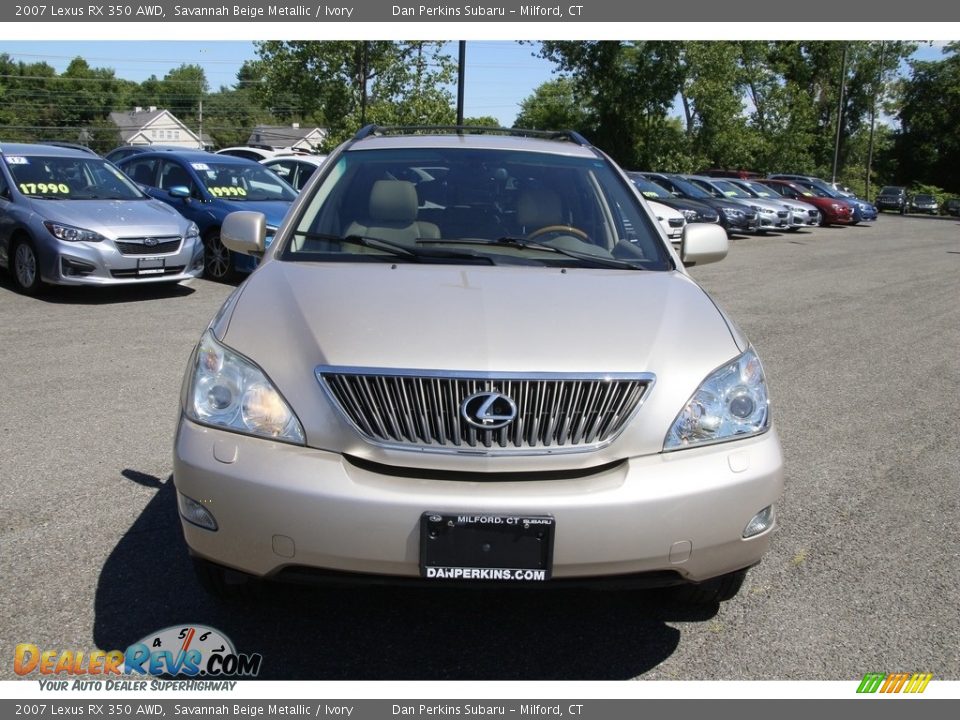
843, 82
201, 125
460, 72
873, 118
364, 61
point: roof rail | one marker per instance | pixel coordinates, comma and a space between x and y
568, 135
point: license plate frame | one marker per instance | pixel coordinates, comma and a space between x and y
486, 547
151, 266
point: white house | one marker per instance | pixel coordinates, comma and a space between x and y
150, 126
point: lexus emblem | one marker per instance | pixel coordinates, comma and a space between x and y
488, 410
151, 242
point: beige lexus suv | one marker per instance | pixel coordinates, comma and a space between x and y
473, 357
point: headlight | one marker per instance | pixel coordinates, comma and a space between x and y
230, 392
733, 213
192, 231
690, 215
836, 207
72, 234
731, 403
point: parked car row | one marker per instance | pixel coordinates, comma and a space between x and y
744, 202
142, 214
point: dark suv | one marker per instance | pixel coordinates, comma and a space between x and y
892, 197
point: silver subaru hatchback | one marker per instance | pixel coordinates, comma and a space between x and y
68, 217
475, 359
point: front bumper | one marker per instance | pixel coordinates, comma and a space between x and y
102, 264
804, 218
280, 507
741, 223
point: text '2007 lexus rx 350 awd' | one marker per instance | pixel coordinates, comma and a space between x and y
475, 359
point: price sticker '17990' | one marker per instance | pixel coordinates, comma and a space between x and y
44, 188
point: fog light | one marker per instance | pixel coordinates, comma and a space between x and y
762, 521
195, 513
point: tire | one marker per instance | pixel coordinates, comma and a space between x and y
217, 259
712, 592
222, 583
25, 267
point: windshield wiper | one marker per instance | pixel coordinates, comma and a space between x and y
393, 248
524, 244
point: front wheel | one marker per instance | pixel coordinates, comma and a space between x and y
25, 267
217, 259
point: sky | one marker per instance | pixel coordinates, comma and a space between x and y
499, 75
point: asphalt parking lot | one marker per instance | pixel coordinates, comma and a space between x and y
858, 328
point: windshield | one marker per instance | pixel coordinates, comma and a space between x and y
688, 189
649, 189
495, 206
243, 182
730, 190
891, 191
820, 189
762, 190
70, 178
925, 198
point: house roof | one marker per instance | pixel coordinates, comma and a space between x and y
279, 136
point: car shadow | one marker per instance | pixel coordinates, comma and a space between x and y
93, 295
925, 216
312, 633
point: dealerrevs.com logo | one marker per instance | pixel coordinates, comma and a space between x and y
887, 683
181, 650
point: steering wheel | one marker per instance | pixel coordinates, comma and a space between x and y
566, 229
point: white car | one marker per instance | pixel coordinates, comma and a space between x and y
672, 221
258, 152
295, 169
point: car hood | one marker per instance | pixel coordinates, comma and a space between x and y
727, 204
291, 318
114, 218
765, 203
797, 204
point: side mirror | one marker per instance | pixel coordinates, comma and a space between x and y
179, 191
244, 232
703, 243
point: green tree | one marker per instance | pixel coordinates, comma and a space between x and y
345, 84
714, 105
554, 105
627, 87
927, 148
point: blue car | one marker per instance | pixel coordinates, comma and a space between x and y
205, 188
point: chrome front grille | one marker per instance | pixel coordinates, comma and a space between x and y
422, 410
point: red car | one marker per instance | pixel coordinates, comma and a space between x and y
833, 211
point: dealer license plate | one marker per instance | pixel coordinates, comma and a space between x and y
150, 266
507, 548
